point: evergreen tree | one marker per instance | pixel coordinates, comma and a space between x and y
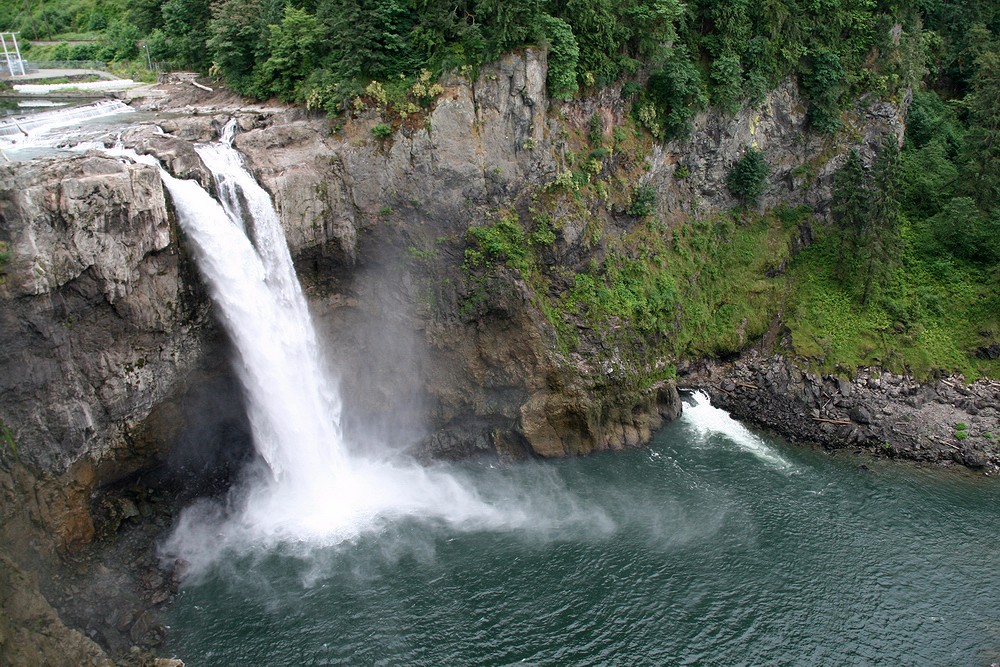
849, 208
983, 145
239, 38
293, 47
867, 221
748, 177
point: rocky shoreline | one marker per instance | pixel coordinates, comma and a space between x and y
945, 421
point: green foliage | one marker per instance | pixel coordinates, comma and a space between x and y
505, 241
982, 150
564, 53
706, 291
8, 437
727, 81
238, 39
825, 83
748, 177
676, 92
925, 322
381, 130
509, 23
867, 221
966, 232
185, 22
643, 201
292, 47
118, 42
929, 119
730, 51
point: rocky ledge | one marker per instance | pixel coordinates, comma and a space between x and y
944, 421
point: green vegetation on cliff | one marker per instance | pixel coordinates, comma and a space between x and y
678, 56
905, 274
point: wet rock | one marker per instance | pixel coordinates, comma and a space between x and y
31, 632
973, 458
177, 156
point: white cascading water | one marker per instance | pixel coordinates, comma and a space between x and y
316, 494
708, 420
291, 400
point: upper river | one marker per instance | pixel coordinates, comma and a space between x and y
714, 546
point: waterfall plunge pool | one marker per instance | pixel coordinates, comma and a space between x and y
714, 546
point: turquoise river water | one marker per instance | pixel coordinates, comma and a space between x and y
713, 546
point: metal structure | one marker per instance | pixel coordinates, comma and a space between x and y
13, 58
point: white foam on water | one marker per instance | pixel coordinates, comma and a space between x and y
89, 86
708, 420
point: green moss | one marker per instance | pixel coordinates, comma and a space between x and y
8, 437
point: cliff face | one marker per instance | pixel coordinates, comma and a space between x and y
98, 328
105, 319
107, 334
94, 316
380, 227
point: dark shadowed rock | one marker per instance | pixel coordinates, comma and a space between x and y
860, 414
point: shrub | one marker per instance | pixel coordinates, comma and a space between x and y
382, 130
748, 177
504, 241
643, 201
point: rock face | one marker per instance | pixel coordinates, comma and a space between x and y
107, 334
103, 323
30, 630
358, 212
96, 321
106, 317
802, 162
379, 228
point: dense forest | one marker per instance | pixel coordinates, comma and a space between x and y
908, 272
686, 55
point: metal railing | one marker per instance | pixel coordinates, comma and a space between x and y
35, 65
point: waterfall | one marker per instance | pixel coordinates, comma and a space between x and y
293, 410
314, 494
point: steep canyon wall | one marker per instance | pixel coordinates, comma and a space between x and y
109, 339
105, 318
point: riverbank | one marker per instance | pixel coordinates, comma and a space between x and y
944, 422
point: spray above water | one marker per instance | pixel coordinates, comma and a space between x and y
312, 492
